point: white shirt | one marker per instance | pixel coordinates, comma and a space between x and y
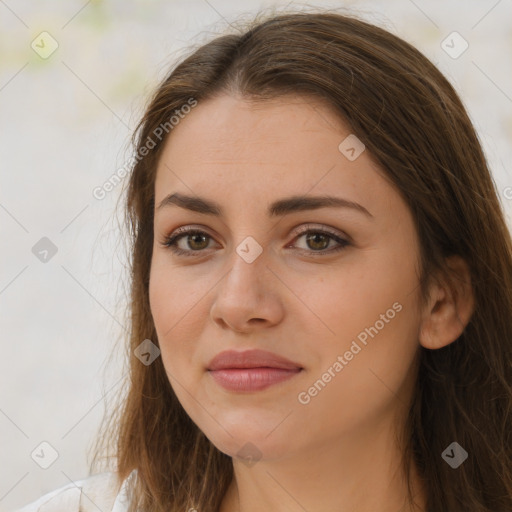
93, 493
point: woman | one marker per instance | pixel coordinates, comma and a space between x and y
321, 286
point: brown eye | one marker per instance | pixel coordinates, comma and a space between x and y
318, 241
197, 241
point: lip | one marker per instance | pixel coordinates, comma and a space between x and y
256, 358
251, 370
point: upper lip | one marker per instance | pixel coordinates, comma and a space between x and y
250, 359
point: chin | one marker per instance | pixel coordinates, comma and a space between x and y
250, 441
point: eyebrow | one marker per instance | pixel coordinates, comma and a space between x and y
278, 208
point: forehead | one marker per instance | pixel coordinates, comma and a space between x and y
230, 147
237, 127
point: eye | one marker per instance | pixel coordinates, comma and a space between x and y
188, 241
318, 240
195, 239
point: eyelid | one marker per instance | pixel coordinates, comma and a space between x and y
188, 228
304, 228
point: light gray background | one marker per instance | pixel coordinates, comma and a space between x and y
65, 124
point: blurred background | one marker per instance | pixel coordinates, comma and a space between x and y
74, 78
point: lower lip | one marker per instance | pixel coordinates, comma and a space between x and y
251, 379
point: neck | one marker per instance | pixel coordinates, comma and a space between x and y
333, 476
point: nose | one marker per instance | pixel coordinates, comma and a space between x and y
247, 298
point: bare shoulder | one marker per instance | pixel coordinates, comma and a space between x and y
102, 491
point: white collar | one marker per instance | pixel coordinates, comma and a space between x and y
122, 500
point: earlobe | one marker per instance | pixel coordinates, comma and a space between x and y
449, 308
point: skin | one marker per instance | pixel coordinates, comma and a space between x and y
337, 452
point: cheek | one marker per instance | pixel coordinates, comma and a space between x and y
176, 295
364, 374
175, 308
370, 318
345, 299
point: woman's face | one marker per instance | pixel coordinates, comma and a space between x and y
340, 303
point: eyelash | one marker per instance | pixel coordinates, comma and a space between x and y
171, 241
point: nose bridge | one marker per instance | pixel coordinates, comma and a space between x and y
247, 291
250, 238
250, 250
248, 266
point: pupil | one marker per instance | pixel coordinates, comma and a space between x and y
314, 238
194, 237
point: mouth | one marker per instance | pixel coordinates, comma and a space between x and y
251, 370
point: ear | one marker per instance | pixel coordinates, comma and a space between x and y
449, 308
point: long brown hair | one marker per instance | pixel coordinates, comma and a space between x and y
415, 126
